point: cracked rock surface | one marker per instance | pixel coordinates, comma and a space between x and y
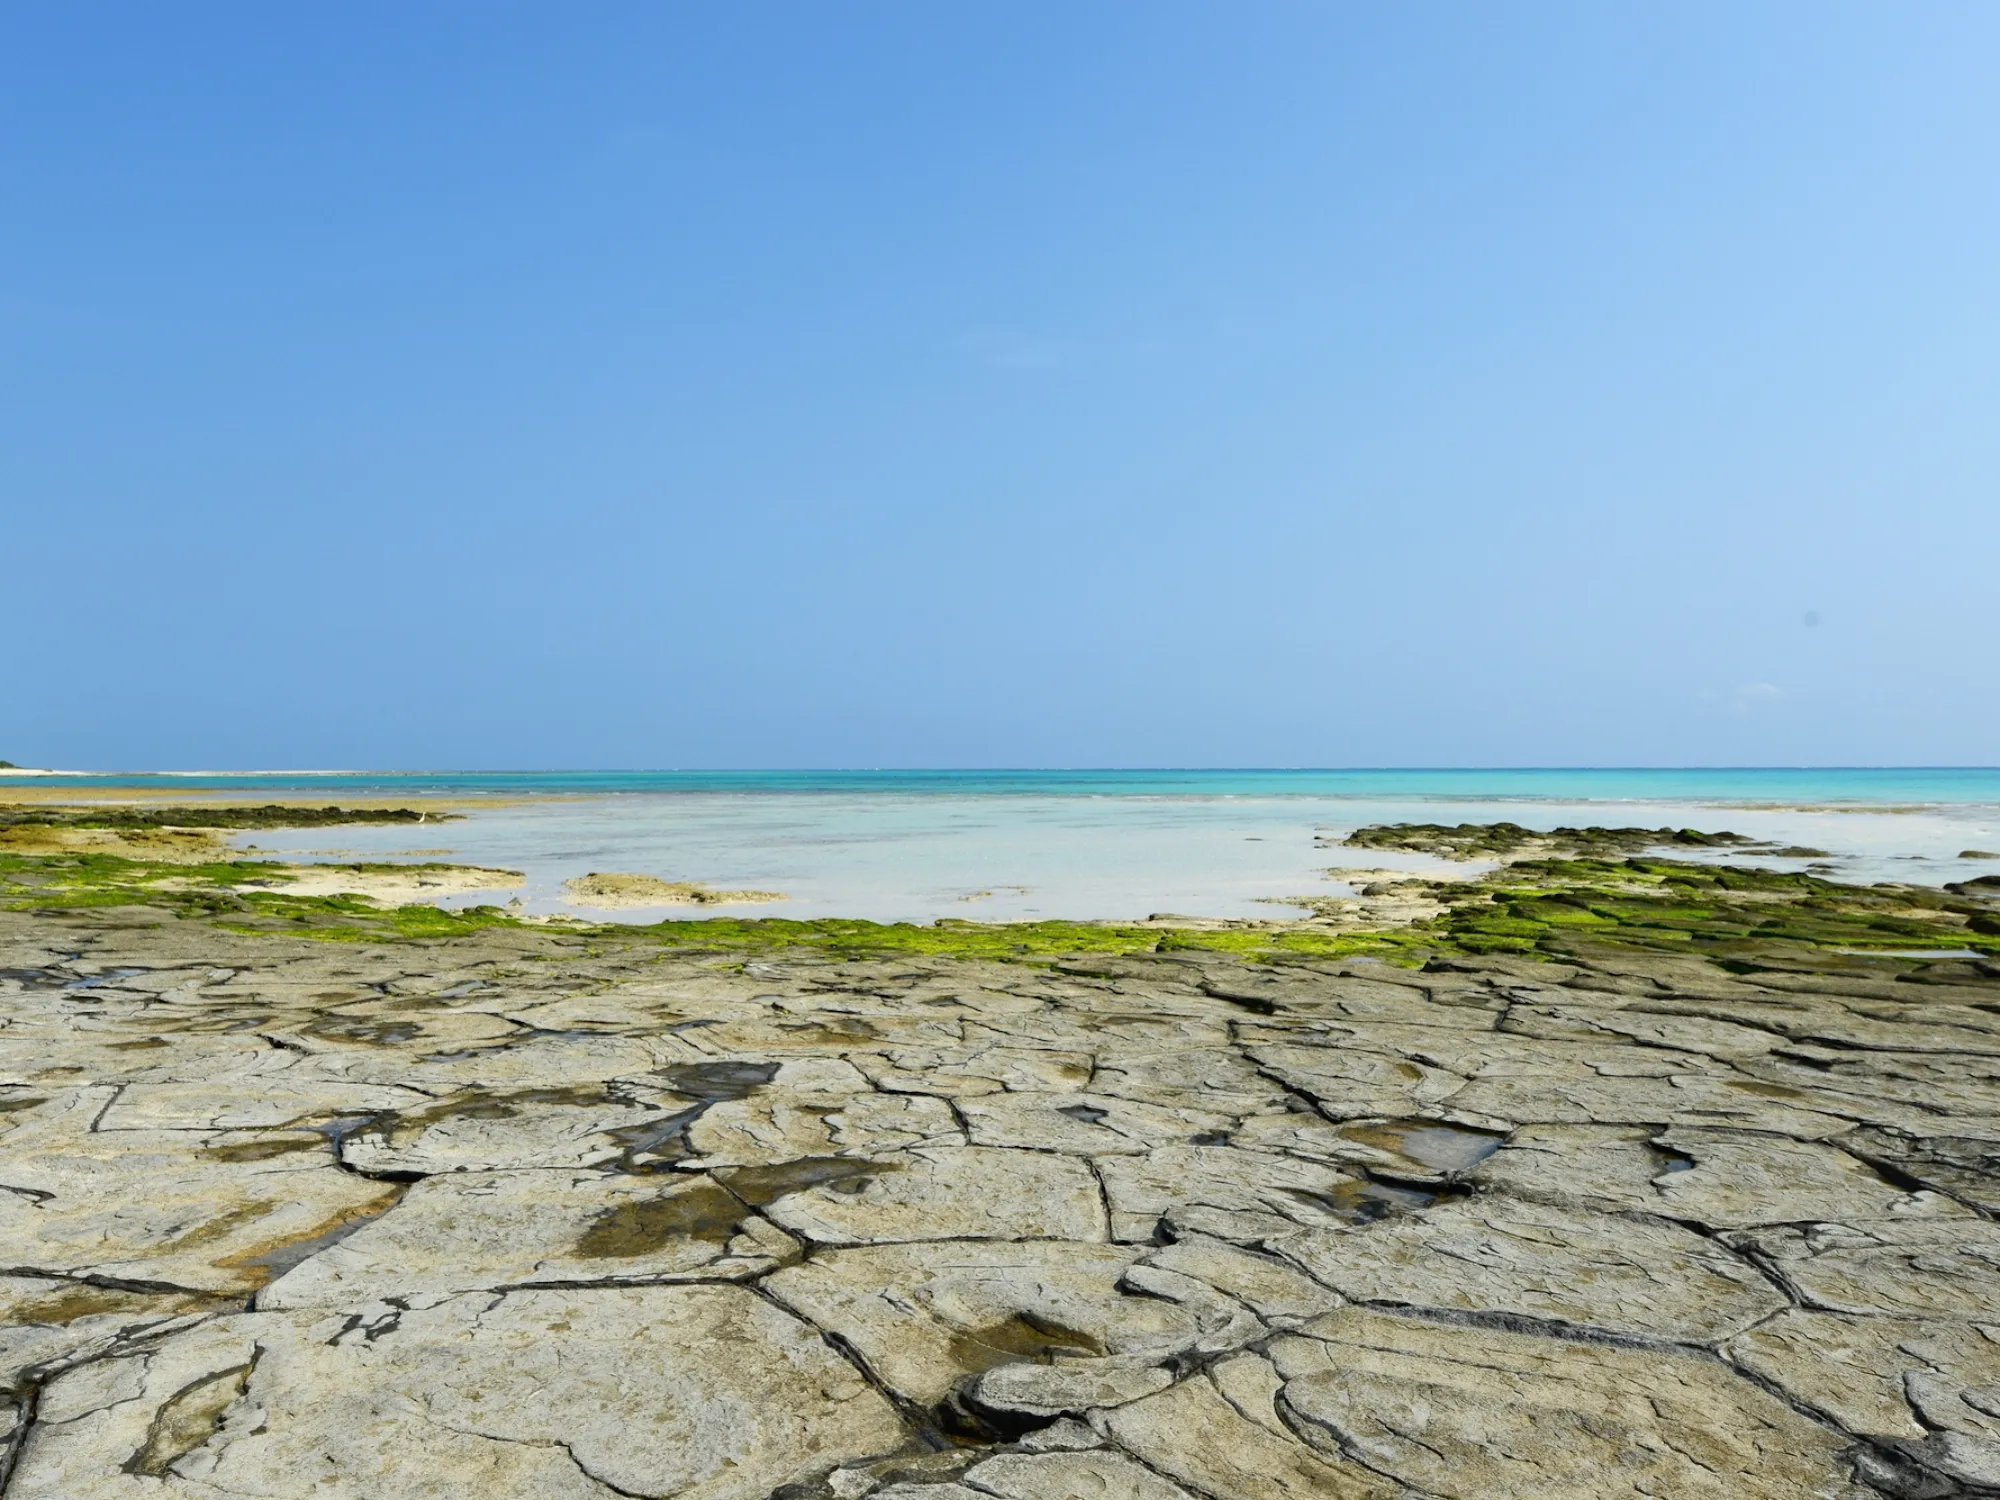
556, 1214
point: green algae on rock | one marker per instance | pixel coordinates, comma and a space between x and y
1499, 840
1541, 906
194, 815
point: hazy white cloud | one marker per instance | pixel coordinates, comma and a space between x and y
1753, 696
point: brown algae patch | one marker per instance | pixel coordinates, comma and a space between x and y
703, 1210
71, 1303
484, 1104
369, 1032
617, 892
841, 1032
266, 1148
189, 1419
1020, 1339
711, 1208
273, 1261
220, 1227
760, 1186
1766, 1090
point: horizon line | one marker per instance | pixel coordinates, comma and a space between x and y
962, 770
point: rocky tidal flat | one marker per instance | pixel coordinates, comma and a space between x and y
1601, 1177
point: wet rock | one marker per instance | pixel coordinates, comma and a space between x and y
973, 1073
1348, 1085
1718, 1179
1596, 1168
261, 1099
1213, 1078
1416, 1151
1689, 1033
1739, 1180
47, 1323
1563, 1096
1966, 1166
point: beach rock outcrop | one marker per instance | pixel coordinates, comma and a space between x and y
546, 1213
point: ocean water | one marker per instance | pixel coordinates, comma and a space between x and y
1011, 845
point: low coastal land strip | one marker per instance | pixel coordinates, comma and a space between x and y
1553, 894
1605, 1171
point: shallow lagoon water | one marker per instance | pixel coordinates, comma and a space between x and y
1006, 846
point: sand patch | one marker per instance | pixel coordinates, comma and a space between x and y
613, 892
407, 886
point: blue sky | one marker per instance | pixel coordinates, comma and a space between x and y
1027, 384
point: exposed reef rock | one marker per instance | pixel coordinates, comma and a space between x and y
576, 1214
620, 892
1504, 840
178, 834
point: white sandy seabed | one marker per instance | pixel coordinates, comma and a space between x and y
895, 857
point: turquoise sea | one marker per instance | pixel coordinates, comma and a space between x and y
1003, 845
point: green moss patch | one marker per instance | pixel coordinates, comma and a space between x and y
1562, 906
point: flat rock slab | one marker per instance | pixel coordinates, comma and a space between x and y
172, 1209
1087, 1476
1894, 1378
1915, 1267
1085, 1124
942, 1193
46, 1323
492, 1131
1484, 1415
1223, 1181
1719, 1179
483, 1231
924, 1318
782, 1125
707, 1393
1197, 1434
1639, 1277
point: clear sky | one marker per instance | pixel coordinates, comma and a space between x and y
494, 384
